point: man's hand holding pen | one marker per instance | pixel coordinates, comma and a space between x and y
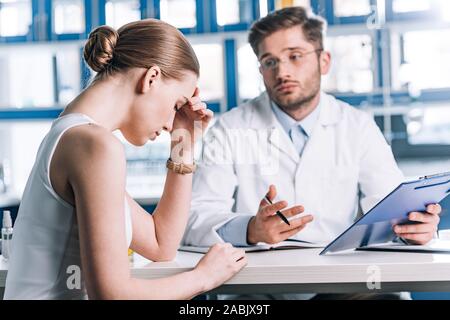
269, 227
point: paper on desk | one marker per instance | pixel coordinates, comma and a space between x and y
434, 246
284, 245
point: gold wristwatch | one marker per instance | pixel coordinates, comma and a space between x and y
181, 168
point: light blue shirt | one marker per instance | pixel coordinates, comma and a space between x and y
298, 131
235, 231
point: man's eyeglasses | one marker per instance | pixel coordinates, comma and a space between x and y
294, 59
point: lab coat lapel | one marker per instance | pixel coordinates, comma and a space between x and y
282, 141
321, 144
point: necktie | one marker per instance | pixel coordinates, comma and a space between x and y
298, 137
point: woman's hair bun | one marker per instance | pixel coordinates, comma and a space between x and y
99, 48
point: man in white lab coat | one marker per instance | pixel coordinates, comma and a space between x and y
323, 158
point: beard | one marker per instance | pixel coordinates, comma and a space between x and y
301, 98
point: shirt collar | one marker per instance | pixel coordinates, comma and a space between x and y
287, 122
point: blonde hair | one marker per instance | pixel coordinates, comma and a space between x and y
140, 44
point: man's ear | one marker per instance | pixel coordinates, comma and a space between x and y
149, 78
325, 62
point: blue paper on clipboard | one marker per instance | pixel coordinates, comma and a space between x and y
376, 226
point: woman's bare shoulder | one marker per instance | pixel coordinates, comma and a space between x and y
87, 143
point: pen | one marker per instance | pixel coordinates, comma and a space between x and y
403, 240
278, 212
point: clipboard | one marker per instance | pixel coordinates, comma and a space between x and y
376, 226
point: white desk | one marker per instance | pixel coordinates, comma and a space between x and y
297, 271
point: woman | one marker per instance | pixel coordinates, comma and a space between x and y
75, 214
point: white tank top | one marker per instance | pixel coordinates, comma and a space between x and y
45, 257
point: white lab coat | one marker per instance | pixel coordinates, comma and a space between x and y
346, 159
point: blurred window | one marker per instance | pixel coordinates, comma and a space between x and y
351, 64
403, 6
20, 148
425, 63
211, 82
15, 17
68, 16
350, 8
26, 77
263, 8
120, 12
250, 80
233, 12
68, 74
180, 13
429, 125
